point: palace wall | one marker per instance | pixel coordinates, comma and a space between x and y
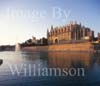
63, 47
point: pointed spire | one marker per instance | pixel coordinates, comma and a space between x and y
47, 33
47, 30
75, 22
51, 27
80, 23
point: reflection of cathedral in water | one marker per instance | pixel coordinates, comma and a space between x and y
63, 59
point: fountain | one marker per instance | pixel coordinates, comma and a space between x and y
17, 47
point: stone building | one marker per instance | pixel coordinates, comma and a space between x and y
99, 37
72, 32
34, 40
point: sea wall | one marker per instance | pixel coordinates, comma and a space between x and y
62, 47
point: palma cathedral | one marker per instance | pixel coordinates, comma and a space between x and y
70, 33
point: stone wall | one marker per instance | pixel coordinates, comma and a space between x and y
72, 47
62, 47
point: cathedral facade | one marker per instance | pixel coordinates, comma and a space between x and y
99, 37
70, 33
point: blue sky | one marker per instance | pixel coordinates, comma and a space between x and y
22, 19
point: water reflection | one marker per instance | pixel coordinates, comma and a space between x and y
72, 59
63, 59
89, 61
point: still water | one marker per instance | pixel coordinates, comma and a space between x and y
89, 61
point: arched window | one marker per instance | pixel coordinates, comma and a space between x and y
56, 41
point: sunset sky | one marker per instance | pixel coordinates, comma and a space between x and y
22, 19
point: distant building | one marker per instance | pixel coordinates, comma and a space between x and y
34, 40
42, 41
72, 32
